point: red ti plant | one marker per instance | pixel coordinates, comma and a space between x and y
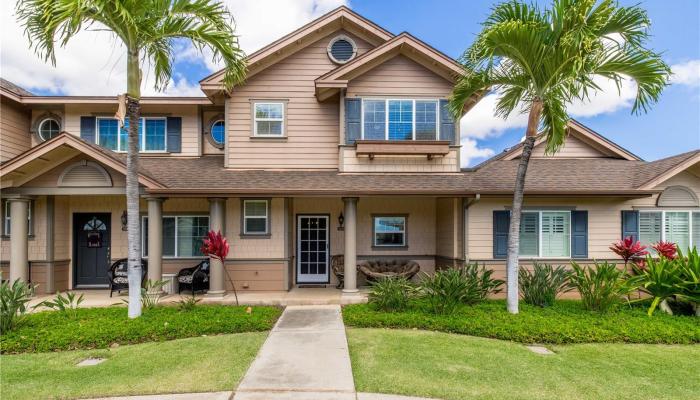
666, 249
216, 246
629, 249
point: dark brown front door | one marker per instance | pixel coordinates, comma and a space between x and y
91, 242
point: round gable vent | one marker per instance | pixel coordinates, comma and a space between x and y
342, 49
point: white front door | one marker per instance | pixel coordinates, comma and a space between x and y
312, 249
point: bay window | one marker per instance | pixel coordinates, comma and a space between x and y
399, 119
182, 235
679, 227
152, 134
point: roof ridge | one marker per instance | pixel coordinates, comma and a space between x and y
688, 155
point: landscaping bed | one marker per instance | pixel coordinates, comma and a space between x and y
563, 322
456, 367
200, 364
93, 328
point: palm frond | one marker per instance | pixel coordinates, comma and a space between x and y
554, 120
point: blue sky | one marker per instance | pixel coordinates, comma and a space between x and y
673, 125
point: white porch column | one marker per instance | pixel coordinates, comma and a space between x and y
350, 285
217, 287
155, 238
19, 230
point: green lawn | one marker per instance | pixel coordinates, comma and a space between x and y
95, 328
449, 366
201, 364
564, 322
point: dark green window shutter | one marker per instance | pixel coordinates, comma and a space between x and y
579, 234
88, 128
353, 120
501, 222
630, 224
174, 134
447, 124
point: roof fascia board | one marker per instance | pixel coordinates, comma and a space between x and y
346, 18
113, 100
673, 171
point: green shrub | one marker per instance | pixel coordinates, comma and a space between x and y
690, 274
541, 286
391, 294
661, 279
601, 288
447, 289
67, 305
95, 328
13, 303
564, 322
188, 303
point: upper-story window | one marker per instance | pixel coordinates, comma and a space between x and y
152, 134
268, 119
399, 119
218, 132
49, 128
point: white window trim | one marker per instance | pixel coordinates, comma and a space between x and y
246, 217
256, 119
142, 145
374, 229
211, 131
663, 223
386, 115
41, 123
144, 226
539, 255
7, 219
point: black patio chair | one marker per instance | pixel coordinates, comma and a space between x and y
117, 275
194, 278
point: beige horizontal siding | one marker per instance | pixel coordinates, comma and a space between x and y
604, 217
572, 148
399, 76
14, 129
353, 163
312, 128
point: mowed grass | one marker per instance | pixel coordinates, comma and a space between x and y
202, 364
451, 366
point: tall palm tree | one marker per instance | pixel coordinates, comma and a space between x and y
147, 29
540, 60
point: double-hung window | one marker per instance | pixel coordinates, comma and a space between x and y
256, 217
268, 119
545, 234
679, 227
389, 231
399, 119
7, 222
182, 235
152, 134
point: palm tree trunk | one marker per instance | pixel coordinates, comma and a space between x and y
514, 229
133, 113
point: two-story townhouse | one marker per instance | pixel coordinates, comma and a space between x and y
338, 143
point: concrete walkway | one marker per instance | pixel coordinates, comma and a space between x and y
305, 357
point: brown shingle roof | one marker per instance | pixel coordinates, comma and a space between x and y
18, 90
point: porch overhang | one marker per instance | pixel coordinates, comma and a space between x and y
48, 155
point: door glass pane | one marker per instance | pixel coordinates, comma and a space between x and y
555, 234
677, 229
400, 119
529, 238
190, 232
374, 116
426, 120
649, 228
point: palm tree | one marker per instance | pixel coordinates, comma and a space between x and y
539, 61
147, 29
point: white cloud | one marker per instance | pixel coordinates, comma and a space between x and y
687, 73
94, 62
471, 152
